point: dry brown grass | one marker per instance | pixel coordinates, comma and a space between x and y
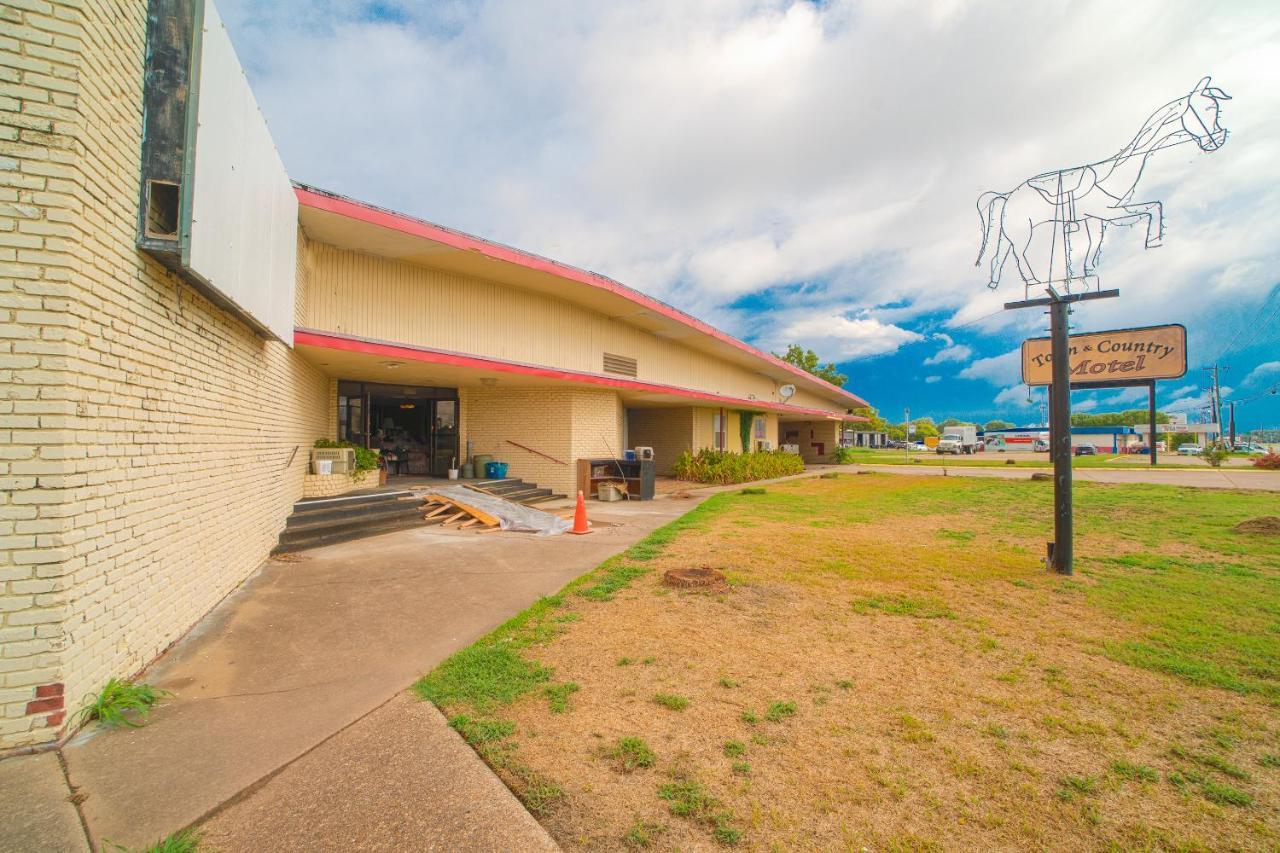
986, 717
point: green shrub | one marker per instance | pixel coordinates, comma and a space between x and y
1215, 454
724, 468
846, 455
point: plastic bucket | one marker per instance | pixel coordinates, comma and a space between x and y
324, 467
499, 470
491, 470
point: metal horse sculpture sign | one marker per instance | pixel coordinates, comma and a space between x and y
1050, 207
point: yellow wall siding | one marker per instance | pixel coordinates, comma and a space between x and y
372, 297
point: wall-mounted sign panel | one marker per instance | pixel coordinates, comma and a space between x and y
1123, 355
244, 214
216, 206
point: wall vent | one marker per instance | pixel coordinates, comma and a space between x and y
619, 364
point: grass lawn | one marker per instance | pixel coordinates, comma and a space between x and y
1039, 460
891, 668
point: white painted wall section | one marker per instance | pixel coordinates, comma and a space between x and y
244, 214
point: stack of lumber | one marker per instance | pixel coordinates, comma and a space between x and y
450, 510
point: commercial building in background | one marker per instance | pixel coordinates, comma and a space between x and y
1103, 439
182, 323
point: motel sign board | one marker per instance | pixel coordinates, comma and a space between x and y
1120, 356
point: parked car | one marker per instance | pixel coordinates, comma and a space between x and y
1086, 450
1189, 450
1040, 446
1251, 449
919, 447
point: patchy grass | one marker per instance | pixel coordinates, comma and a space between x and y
901, 605
630, 753
671, 701
779, 711
901, 674
185, 841
121, 702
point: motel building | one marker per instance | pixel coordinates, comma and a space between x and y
180, 323
1103, 439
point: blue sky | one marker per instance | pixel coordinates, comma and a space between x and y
792, 171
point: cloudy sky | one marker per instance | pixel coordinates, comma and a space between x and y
807, 172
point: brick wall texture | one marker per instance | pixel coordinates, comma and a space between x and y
146, 438
565, 423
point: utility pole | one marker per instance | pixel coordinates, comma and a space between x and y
1215, 398
1231, 429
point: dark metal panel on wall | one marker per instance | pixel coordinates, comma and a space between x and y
166, 103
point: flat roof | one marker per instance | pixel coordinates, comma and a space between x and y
351, 224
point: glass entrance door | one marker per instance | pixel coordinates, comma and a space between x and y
414, 427
444, 436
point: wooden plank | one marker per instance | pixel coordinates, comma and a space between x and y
443, 508
451, 519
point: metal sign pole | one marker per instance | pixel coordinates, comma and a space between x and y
1151, 415
1060, 438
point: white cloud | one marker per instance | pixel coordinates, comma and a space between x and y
844, 339
705, 151
1267, 368
1015, 396
932, 380
998, 369
953, 352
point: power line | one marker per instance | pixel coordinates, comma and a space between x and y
1257, 327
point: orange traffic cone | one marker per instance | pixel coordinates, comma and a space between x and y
580, 525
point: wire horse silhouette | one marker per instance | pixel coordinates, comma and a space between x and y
1093, 196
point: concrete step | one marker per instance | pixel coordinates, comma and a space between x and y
341, 514
331, 536
349, 501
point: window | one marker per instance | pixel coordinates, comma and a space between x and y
719, 439
758, 428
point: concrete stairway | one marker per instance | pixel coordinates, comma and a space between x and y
515, 489
324, 521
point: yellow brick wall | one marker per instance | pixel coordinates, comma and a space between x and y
668, 431
147, 439
566, 424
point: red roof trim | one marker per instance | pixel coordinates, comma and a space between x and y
346, 343
352, 209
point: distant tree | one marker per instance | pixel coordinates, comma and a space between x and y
925, 428
1129, 417
998, 424
950, 422
875, 422
1177, 439
897, 432
807, 359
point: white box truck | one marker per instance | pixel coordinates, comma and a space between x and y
958, 439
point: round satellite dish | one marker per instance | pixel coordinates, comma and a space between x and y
786, 391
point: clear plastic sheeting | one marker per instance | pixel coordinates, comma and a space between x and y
510, 515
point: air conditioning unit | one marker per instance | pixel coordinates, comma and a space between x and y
644, 453
765, 445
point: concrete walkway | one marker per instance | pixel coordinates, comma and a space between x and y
1208, 478
307, 649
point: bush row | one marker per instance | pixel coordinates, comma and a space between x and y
722, 467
